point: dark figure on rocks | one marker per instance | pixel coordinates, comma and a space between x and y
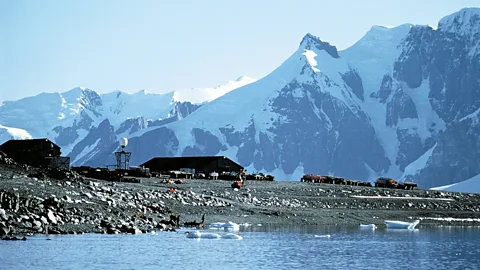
175, 220
194, 223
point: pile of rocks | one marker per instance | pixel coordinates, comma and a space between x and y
5, 160
38, 203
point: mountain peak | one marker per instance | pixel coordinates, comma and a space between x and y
311, 42
386, 28
142, 92
465, 22
309, 38
380, 41
78, 91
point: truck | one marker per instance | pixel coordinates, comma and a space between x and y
386, 182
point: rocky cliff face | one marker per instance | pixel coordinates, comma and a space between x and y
447, 61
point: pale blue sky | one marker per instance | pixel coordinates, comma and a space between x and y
53, 46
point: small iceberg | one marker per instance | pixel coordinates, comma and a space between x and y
228, 226
395, 224
368, 226
207, 235
232, 236
198, 235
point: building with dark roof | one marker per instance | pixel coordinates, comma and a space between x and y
35, 152
193, 164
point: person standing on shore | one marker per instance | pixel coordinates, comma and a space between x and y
242, 179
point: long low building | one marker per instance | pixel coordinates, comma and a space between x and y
193, 164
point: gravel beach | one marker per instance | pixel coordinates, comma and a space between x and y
38, 201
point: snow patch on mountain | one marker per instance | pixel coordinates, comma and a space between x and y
202, 95
310, 55
428, 121
473, 116
119, 106
87, 151
235, 109
416, 166
67, 149
471, 185
7, 133
374, 54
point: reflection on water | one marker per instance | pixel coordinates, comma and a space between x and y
263, 247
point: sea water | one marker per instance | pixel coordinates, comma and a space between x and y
261, 248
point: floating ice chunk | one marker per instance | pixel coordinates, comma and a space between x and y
232, 236
198, 234
368, 226
395, 224
228, 226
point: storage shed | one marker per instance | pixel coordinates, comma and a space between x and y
198, 164
35, 152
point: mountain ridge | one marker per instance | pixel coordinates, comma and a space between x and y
67, 117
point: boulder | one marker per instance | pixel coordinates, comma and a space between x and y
44, 220
161, 226
51, 217
67, 199
134, 230
37, 225
3, 214
112, 230
52, 202
4, 229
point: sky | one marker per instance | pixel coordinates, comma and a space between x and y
160, 46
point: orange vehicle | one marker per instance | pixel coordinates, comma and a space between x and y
237, 184
386, 182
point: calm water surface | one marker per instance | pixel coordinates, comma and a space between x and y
261, 248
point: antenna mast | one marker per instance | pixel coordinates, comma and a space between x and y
123, 157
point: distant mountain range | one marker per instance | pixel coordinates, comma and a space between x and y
68, 118
401, 102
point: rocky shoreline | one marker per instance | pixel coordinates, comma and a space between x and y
52, 202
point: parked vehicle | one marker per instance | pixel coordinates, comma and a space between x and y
139, 171
386, 182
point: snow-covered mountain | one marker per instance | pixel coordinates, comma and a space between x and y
402, 102
70, 117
